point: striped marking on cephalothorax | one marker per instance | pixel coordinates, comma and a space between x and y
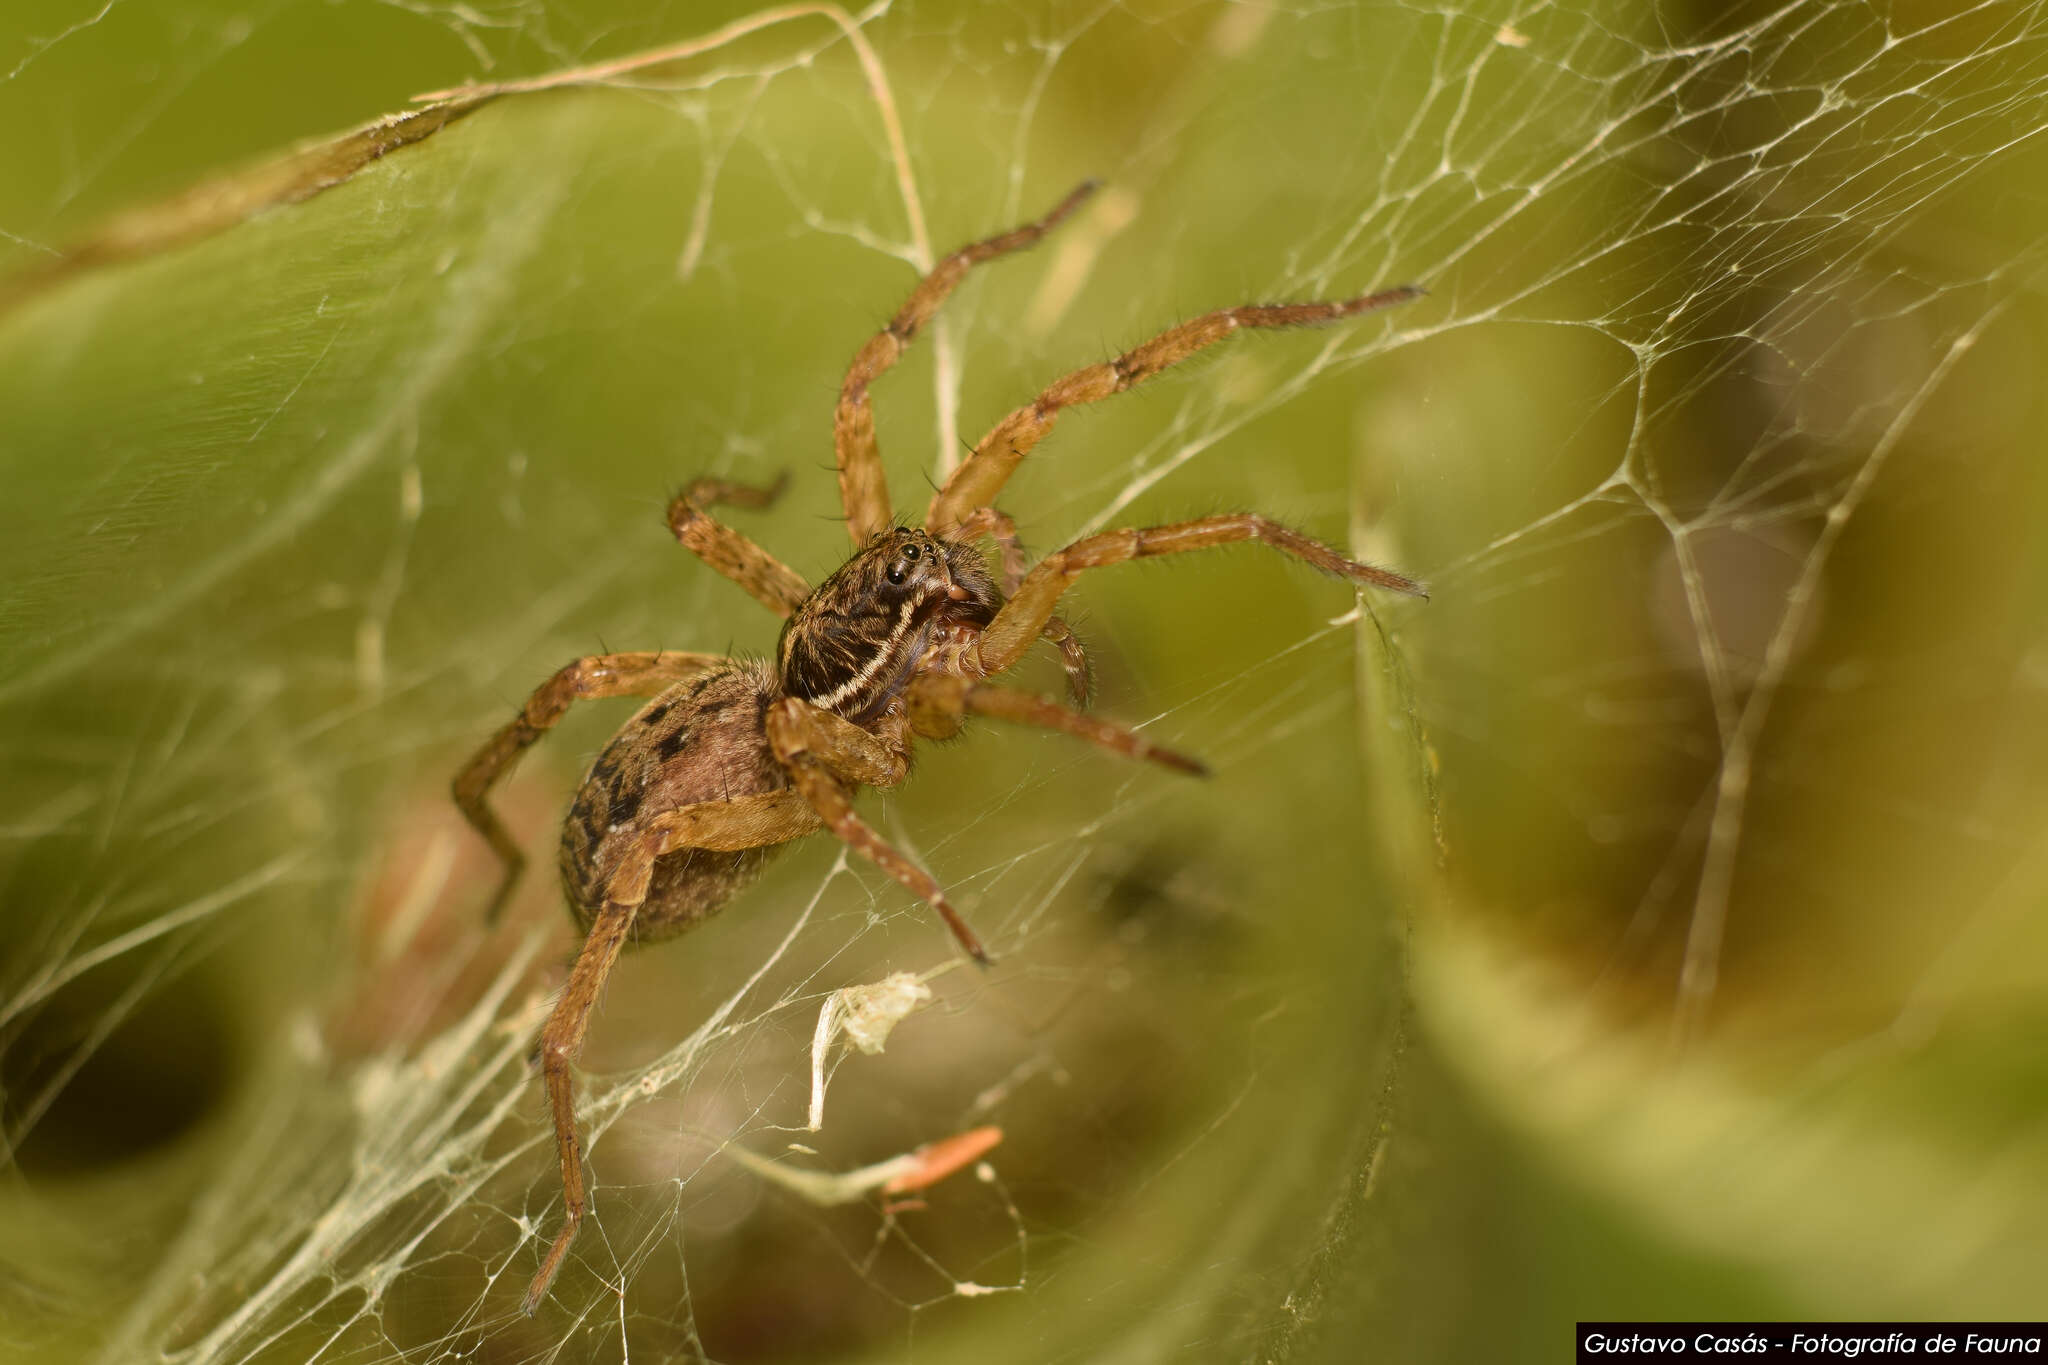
884, 659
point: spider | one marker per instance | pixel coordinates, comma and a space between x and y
734, 758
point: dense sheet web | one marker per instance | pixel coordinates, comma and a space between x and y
1705, 439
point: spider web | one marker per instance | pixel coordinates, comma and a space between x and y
1696, 818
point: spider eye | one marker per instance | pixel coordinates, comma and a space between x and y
898, 571
910, 551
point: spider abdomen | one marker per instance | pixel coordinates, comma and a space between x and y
701, 740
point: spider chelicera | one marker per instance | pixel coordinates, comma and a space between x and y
733, 758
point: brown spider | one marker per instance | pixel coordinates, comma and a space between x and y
735, 757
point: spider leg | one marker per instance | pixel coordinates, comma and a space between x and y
561, 1039
746, 822
982, 475
845, 749
1074, 658
862, 487
1025, 614
940, 703
773, 585
997, 526
638, 674
816, 754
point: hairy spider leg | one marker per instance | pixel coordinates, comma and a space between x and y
1024, 615
848, 751
862, 486
982, 475
641, 673
742, 823
824, 752
772, 584
997, 526
817, 747
940, 703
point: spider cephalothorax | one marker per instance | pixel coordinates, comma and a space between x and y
733, 759
892, 611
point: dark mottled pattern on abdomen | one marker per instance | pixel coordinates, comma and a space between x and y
701, 740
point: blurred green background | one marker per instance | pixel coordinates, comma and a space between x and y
1648, 925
